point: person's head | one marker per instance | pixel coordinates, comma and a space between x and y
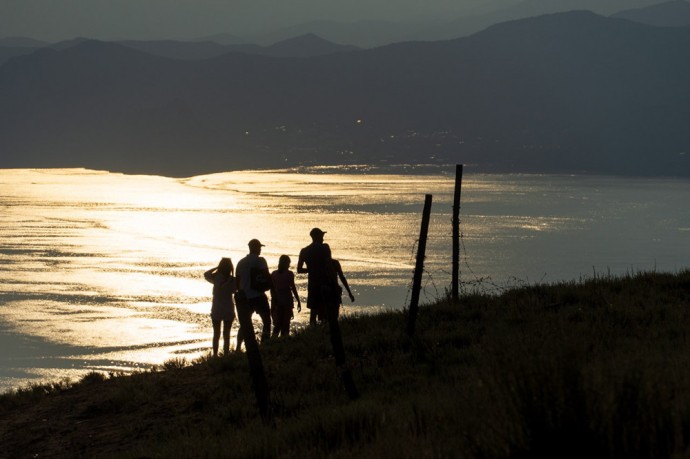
255, 246
316, 234
225, 266
283, 263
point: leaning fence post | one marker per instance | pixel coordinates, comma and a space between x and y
338, 347
419, 266
256, 367
455, 281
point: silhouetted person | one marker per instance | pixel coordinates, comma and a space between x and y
315, 260
253, 280
282, 294
323, 299
339, 290
223, 306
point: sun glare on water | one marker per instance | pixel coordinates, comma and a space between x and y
107, 268
105, 271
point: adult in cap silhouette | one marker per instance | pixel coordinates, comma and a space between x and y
315, 260
253, 280
323, 298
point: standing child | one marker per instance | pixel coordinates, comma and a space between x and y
223, 307
282, 293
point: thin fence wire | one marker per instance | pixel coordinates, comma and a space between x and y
470, 283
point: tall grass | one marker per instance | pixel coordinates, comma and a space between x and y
592, 369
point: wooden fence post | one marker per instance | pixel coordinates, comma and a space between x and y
256, 366
419, 266
338, 347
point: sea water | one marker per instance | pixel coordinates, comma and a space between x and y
104, 271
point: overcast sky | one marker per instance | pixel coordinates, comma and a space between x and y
53, 20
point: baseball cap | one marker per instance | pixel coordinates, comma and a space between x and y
316, 232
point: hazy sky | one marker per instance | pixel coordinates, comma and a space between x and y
53, 20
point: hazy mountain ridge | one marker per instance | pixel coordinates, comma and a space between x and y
567, 92
369, 34
308, 45
221, 39
373, 33
674, 13
21, 42
364, 25
364, 34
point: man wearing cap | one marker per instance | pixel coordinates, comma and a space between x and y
249, 269
320, 275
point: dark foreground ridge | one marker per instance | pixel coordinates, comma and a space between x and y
591, 369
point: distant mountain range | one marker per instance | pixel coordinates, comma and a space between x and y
371, 33
667, 13
569, 92
22, 42
367, 34
308, 45
675, 13
364, 34
222, 39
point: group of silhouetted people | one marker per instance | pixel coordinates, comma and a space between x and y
245, 289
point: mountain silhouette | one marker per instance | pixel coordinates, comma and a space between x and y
184, 50
308, 45
674, 13
569, 92
26, 46
221, 39
21, 42
363, 34
8, 52
510, 11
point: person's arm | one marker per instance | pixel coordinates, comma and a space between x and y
343, 280
208, 275
300, 264
347, 287
293, 287
237, 278
331, 274
232, 281
264, 269
273, 285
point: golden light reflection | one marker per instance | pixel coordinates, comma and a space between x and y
113, 264
99, 326
125, 254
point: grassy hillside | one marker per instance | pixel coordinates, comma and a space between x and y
594, 369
